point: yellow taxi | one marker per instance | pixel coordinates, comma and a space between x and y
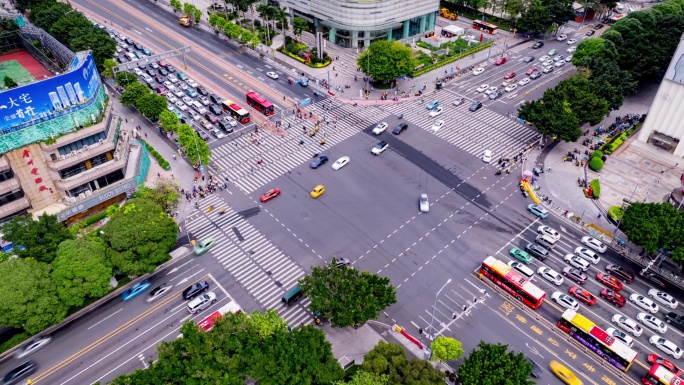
317, 191
566, 375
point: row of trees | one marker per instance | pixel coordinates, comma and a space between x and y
609, 68
71, 28
56, 271
657, 227
150, 104
187, 8
234, 31
195, 148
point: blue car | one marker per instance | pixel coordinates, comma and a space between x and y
190, 92
147, 51
319, 162
303, 82
432, 105
538, 211
136, 290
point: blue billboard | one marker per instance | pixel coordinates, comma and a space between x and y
37, 102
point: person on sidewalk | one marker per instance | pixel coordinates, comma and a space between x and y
600, 214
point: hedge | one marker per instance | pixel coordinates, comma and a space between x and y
299, 59
595, 188
95, 218
597, 154
616, 212
452, 59
614, 143
160, 159
596, 164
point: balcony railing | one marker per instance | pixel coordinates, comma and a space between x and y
85, 153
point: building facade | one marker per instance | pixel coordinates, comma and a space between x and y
358, 23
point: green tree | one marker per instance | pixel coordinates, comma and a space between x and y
37, 239
125, 79
594, 49
164, 194
48, 14
28, 297
133, 92
168, 120
364, 378
386, 60
9, 82
195, 148
299, 25
108, 65
560, 10
514, 8
197, 15
140, 237
579, 92
610, 82
535, 19
176, 4
345, 295
446, 349
493, 364
151, 105
103, 47
552, 115
70, 25
654, 226
390, 359
81, 270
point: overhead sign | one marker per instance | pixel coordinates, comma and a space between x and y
129, 187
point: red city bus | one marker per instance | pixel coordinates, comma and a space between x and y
513, 282
237, 112
485, 27
660, 375
260, 104
208, 323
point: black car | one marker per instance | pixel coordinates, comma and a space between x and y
620, 272
537, 250
129, 41
494, 95
196, 288
171, 69
19, 373
401, 127
225, 126
151, 72
675, 319
538, 44
319, 162
535, 75
475, 106
216, 110
138, 46
655, 280
159, 78
202, 91
598, 26
591, 32
119, 59
528, 59
215, 99
163, 72
142, 65
536, 369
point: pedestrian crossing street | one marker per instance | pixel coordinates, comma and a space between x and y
278, 155
256, 263
472, 132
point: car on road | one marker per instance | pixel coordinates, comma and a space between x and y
576, 261
205, 102
215, 99
203, 246
159, 292
338, 262
343, 161
550, 275
537, 45
663, 298
590, 33
559, 63
537, 371
181, 106
568, 59
587, 254
216, 110
594, 244
583, 295
644, 303
565, 300
524, 81
181, 76
161, 90
500, 61
475, 106
163, 71
575, 275
270, 194
655, 359
169, 68
436, 112
147, 78
192, 83
178, 93
521, 268
136, 290
424, 203
520, 255
655, 280
627, 324
652, 322
203, 135
544, 58
458, 101
171, 98
571, 41
195, 289
202, 302
321, 160
194, 115
317, 191
379, 128
609, 281
552, 52
598, 26
137, 71
218, 134
675, 319
437, 125
487, 156
528, 59
478, 71
563, 373
535, 75
621, 336
32, 346
272, 75
432, 105
548, 63
546, 230
511, 87
665, 345
380, 148
202, 91
401, 127
620, 272
614, 297
19, 373
509, 75
537, 210
206, 124
491, 89
562, 37
482, 88
495, 95
572, 49
547, 69
191, 93
531, 71
538, 251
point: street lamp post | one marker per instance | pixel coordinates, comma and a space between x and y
434, 307
630, 200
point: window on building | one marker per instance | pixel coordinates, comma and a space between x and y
6, 175
77, 145
72, 170
99, 159
11, 196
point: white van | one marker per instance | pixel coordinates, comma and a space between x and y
197, 106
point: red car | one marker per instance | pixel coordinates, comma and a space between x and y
531, 70
500, 61
509, 75
609, 281
613, 297
270, 194
583, 295
655, 359
161, 90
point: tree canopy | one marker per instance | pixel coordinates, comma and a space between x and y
195, 148
389, 359
133, 91
151, 105
346, 296
386, 60
165, 194
446, 349
492, 364
37, 239
655, 226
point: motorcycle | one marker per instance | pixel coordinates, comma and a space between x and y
401, 116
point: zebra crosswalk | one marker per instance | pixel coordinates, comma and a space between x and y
251, 162
256, 263
472, 132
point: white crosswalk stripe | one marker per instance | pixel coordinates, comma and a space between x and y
470, 131
239, 159
256, 263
